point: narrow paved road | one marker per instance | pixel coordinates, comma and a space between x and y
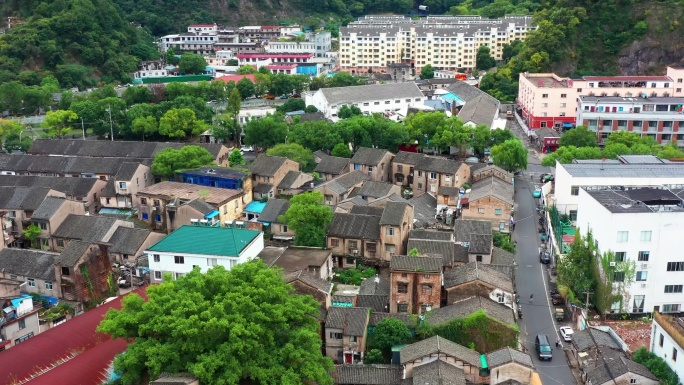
531, 278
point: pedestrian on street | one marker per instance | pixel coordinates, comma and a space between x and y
531, 297
558, 342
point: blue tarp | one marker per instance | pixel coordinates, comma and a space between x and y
212, 214
450, 98
291, 113
568, 125
255, 207
52, 301
17, 301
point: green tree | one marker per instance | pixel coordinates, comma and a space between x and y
309, 218
484, 61
427, 72
145, 126
295, 152
14, 140
245, 87
167, 161
656, 365
311, 109
346, 111
481, 139
266, 132
511, 155
388, 333
137, 94
234, 103
236, 157
242, 325
246, 70
342, 150
292, 104
57, 123
192, 64
575, 268
578, 137
374, 356
670, 151
31, 233
179, 123
50, 84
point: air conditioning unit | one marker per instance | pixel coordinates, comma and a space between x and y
612, 263
355, 251
644, 265
643, 285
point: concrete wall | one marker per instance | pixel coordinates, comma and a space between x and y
500, 222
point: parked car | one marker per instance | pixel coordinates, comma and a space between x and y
247, 149
537, 192
566, 333
296, 96
269, 96
283, 96
544, 257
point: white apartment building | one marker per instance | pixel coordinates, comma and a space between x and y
203, 28
643, 225
202, 246
625, 172
290, 47
197, 43
379, 98
667, 341
150, 69
445, 42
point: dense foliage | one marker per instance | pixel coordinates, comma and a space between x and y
388, 333
356, 275
296, 152
656, 365
308, 218
170, 160
224, 327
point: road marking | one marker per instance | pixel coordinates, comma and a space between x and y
548, 302
529, 265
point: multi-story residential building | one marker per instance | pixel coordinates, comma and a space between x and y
34, 270
331, 167
290, 47
203, 28
625, 172
445, 42
17, 205
315, 261
491, 199
121, 190
548, 100
667, 340
151, 69
268, 172
346, 329
260, 32
82, 190
659, 118
339, 188
477, 279
415, 284
270, 216
379, 98
19, 321
224, 246
431, 173
261, 59
199, 43
423, 359
641, 226
127, 243
220, 177
83, 271
375, 162
86, 228
51, 213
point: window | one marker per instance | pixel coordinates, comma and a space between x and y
427, 289
157, 218
638, 306
65, 270
481, 210
433, 175
357, 166
402, 288
675, 266
574, 190
643, 256
22, 324
545, 96
620, 256
562, 105
145, 216
661, 339
350, 261
478, 258
674, 354
669, 289
642, 276
122, 185
402, 308
353, 339
618, 276
389, 231
334, 242
573, 215
31, 282
646, 236
400, 168
157, 275
212, 261
545, 105
48, 285
43, 226
497, 211
335, 336
404, 275
564, 95
622, 236
155, 257
179, 259
670, 308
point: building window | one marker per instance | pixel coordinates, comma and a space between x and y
574, 190
48, 285
157, 218
155, 257
620, 256
427, 289
335, 336
661, 339
619, 276
31, 282
402, 308
669, 289
212, 261
433, 175
402, 288
675, 266
179, 275
145, 216
350, 261
545, 96
22, 324
43, 226
498, 211
179, 259
646, 236
670, 308
564, 95
481, 210
674, 354
622, 236
643, 256
122, 185
334, 242
389, 231
157, 275
400, 168
642, 276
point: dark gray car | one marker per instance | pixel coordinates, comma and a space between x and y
544, 257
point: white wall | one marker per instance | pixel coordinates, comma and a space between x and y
397, 104
667, 230
665, 352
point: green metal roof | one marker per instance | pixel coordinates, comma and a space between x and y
223, 241
483, 361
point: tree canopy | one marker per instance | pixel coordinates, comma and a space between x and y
388, 333
170, 160
266, 132
427, 72
309, 218
510, 155
224, 327
579, 136
296, 152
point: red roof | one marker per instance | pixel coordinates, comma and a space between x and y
236, 78
627, 78
281, 67
77, 334
274, 55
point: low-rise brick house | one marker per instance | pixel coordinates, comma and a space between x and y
268, 172
345, 334
474, 242
371, 190
373, 234
313, 260
305, 283
489, 171
448, 195
511, 364
415, 284
367, 374
34, 269
477, 279
83, 271
17, 205
270, 216
340, 188
448, 355
431, 173
85, 191
122, 188
51, 214
86, 228
435, 243
374, 292
293, 183
331, 167
491, 199
403, 166
127, 243
374, 162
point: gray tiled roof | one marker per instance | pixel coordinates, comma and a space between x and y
73, 251
393, 214
28, 263
480, 107
463, 228
263, 188
493, 187
367, 210
476, 271
590, 337
332, 165
467, 307
377, 303
128, 240
266, 165
438, 372
76, 187
200, 205
355, 94
374, 189
270, 254
354, 226
274, 208
612, 369
445, 249
84, 227
508, 355
367, 374
58, 164
342, 298
439, 165
109, 149
461, 253
438, 344
126, 171
424, 207
48, 208
352, 320
502, 257
22, 198
491, 167
449, 191
309, 279
405, 157
409, 320
416, 264
108, 191
368, 156
480, 244
344, 182
434, 235
311, 117
374, 292
290, 180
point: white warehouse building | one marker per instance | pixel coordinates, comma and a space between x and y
644, 225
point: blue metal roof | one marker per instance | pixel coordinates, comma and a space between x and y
212, 214
255, 207
450, 98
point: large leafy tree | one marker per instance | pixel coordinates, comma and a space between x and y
266, 132
169, 160
296, 152
57, 123
191, 63
387, 333
484, 59
224, 327
308, 218
481, 138
145, 126
578, 137
179, 123
427, 72
575, 268
511, 155
246, 88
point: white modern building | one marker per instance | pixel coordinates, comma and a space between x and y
626, 171
667, 341
203, 246
379, 98
643, 225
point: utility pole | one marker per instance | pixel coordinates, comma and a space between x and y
586, 304
111, 127
83, 128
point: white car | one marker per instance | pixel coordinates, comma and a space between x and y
247, 149
566, 332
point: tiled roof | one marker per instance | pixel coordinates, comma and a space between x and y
445, 249
76, 187
367, 210
508, 355
491, 167
266, 165
434, 235
367, 374
221, 241
354, 226
48, 208
270, 254
463, 228
200, 205
405, 157
343, 298
58, 164
127, 240
309, 279
416, 264
374, 292
352, 320
126, 171
590, 337
356, 94
612, 369
491, 187
212, 195
461, 253
86, 228
368, 156
469, 306
301, 258
393, 214
438, 344
290, 180
28, 263
409, 320
73, 251
223, 172
274, 208
109, 149
438, 372
480, 244
502, 257
332, 165
438, 165
107, 191
22, 198
263, 188
344, 182
480, 107
424, 208
374, 189
476, 271
449, 191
